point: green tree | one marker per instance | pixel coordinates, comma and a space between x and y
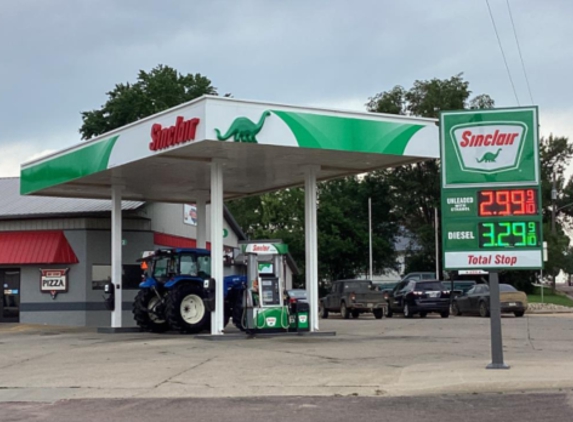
415, 188
161, 88
568, 263
555, 156
343, 227
278, 215
342, 216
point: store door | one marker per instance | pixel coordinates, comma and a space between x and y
10, 299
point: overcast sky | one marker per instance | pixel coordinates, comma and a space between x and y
60, 57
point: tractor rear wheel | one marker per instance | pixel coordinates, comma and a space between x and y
148, 312
186, 311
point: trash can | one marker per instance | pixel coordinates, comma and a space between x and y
302, 311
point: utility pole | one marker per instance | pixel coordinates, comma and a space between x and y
436, 231
370, 234
553, 210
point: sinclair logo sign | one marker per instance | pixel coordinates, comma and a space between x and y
181, 132
488, 147
265, 248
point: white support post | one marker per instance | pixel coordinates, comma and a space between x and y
217, 270
116, 257
311, 244
201, 205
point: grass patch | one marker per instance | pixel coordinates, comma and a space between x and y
549, 297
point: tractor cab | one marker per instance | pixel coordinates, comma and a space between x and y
166, 265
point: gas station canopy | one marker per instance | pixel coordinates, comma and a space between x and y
263, 147
216, 148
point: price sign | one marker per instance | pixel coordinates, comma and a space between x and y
504, 202
491, 209
508, 234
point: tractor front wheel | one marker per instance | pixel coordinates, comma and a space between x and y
186, 311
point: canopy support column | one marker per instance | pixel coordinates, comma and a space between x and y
116, 258
217, 270
201, 205
311, 244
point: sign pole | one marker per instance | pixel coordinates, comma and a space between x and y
495, 323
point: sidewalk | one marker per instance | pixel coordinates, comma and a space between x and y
389, 357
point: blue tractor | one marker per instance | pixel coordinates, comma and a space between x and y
176, 293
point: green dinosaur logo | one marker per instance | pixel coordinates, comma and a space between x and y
489, 157
243, 129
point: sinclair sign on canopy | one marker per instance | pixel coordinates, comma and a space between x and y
491, 200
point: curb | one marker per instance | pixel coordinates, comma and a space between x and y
118, 330
555, 311
244, 336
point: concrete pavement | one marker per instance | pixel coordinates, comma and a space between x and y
368, 357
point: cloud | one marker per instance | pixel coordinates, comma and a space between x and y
337, 54
14, 154
12, 157
557, 122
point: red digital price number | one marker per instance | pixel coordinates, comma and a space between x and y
492, 203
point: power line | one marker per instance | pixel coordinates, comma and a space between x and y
519, 49
502, 52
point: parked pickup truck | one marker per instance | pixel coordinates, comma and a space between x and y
353, 297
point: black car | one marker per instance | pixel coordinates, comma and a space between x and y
295, 295
412, 297
476, 301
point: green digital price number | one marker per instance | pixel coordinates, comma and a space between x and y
506, 234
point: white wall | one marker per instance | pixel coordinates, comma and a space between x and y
168, 219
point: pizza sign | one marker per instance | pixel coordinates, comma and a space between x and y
54, 281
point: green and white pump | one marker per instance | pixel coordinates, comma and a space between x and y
264, 309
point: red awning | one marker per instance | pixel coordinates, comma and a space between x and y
35, 247
172, 241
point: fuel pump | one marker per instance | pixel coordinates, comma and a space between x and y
263, 304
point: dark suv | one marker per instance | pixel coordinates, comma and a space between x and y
411, 297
